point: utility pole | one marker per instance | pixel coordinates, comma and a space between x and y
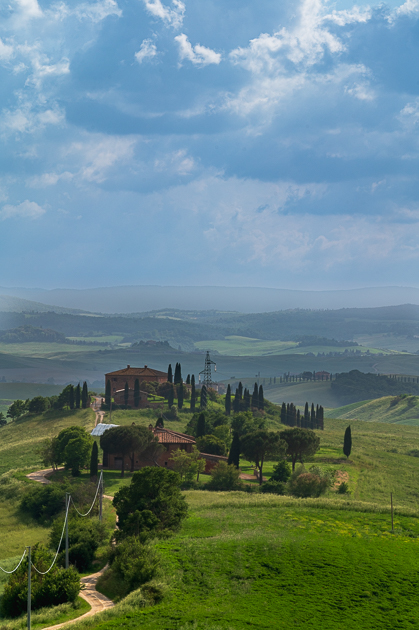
100, 495
29, 587
67, 505
206, 372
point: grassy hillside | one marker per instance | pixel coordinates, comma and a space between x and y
395, 409
19, 440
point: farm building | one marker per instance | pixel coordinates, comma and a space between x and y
172, 441
131, 374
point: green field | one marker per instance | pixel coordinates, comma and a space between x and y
400, 409
46, 350
20, 440
236, 346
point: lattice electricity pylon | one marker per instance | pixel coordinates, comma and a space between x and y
207, 371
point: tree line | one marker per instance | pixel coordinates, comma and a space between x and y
311, 418
71, 397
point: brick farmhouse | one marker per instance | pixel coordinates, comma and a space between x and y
129, 375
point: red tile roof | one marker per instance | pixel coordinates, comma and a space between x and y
133, 371
166, 436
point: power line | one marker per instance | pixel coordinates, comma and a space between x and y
16, 568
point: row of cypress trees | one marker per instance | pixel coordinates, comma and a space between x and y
177, 378
77, 395
310, 419
243, 401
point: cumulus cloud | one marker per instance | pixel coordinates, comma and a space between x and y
148, 50
198, 55
172, 16
97, 11
29, 8
25, 210
6, 51
98, 154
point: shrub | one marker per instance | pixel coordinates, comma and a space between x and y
307, 484
414, 452
225, 477
273, 487
281, 472
44, 502
343, 488
57, 587
133, 563
211, 444
84, 538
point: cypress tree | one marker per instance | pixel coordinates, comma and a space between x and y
313, 417
320, 419
347, 441
170, 397
201, 426
288, 415
107, 393
71, 397
236, 402
193, 393
228, 400
261, 402
255, 396
78, 393
159, 423
180, 396
93, 462
298, 418
283, 414
170, 373
306, 417
240, 390
234, 454
246, 397
204, 397
84, 396
178, 374
136, 392
126, 394
188, 379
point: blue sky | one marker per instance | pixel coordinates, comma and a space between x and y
213, 142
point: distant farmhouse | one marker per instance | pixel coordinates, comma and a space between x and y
129, 375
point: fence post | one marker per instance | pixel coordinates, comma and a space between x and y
29, 587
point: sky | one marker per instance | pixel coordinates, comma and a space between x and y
209, 142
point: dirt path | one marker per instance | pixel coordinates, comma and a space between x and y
96, 600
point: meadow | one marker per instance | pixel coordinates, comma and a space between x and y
398, 409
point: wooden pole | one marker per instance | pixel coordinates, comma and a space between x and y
29, 587
392, 518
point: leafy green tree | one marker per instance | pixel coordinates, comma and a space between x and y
228, 400
301, 443
133, 564
3, 420
211, 444
225, 477
71, 397
129, 441
204, 397
74, 446
49, 452
77, 394
39, 404
201, 428
188, 465
94, 459
244, 422
85, 396
64, 398
84, 538
281, 472
136, 392
261, 446
151, 504
170, 374
234, 454
180, 396
347, 441
16, 409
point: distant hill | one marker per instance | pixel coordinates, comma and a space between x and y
355, 386
13, 304
26, 334
139, 299
402, 409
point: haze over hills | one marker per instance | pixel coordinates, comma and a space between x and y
140, 299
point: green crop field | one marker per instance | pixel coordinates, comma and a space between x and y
20, 440
38, 349
236, 346
399, 409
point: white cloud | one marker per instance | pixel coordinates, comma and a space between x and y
6, 51
25, 210
408, 8
29, 8
100, 154
49, 179
147, 50
43, 69
170, 16
97, 11
198, 55
25, 120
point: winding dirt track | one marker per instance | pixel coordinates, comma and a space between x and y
96, 600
